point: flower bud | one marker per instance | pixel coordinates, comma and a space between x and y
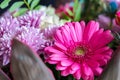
117, 19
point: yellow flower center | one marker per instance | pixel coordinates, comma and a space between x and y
80, 51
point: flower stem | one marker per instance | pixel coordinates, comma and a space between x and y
27, 4
111, 25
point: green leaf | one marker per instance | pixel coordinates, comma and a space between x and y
76, 2
34, 3
16, 5
70, 12
20, 12
77, 13
67, 17
29, 1
38, 7
77, 10
4, 4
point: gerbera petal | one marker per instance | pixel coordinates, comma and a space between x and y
60, 46
60, 67
94, 37
85, 69
82, 23
107, 57
58, 58
77, 74
108, 52
103, 39
101, 50
90, 30
65, 72
97, 57
58, 36
73, 34
93, 63
97, 71
79, 32
52, 61
87, 72
102, 61
65, 36
103, 55
66, 62
58, 55
53, 50
74, 67
66, 27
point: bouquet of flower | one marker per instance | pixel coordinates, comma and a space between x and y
78, 40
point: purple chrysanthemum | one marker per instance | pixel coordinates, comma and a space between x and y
45, 19
8, 30
31, 18
49, 31
35, 29
32, 37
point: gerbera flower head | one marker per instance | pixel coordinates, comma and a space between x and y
80, 49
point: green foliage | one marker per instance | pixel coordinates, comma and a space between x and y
75, 5
29, 5
70, 12
16, 5
20, 12
34, 4
66, 17
38, 7
77, 10
91, 9
4, 4
74, 15
29, 1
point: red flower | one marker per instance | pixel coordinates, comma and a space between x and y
117, 19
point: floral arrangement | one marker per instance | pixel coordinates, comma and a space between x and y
75, 41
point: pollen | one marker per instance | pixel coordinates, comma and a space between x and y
80, 52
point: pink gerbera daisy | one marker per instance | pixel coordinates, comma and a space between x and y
80, 50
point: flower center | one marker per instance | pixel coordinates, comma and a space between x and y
79, 51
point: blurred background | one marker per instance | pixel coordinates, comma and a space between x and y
54, 3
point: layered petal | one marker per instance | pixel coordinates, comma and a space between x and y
101, 39
90, 30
